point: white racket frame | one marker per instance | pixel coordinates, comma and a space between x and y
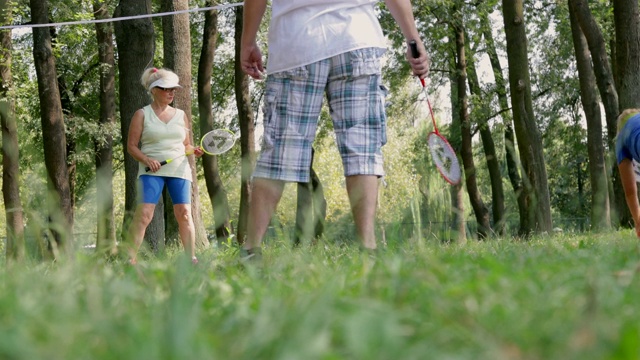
222, 134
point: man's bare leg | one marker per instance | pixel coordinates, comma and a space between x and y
363, 196
265, 195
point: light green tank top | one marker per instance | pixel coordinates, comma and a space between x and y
162, 141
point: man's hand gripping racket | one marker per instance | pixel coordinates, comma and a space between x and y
215, 142
441, 151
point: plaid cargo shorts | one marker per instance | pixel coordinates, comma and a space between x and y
293, 101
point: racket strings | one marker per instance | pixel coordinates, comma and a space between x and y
445, 158
217, 142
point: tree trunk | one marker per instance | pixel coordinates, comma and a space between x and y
177, 56
459, 223
479, 208
495, 175
53, 132
627, 72
311, 209
135, 39
106, 236
15, 248
529, 143
608, 94
215, 188
511, 156
67, 114
600, 214
247, 138
627, 77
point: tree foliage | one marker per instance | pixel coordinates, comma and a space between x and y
414, 198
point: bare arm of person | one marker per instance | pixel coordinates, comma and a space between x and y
188, 147
133, 139
628, 178
250, 54
402, 12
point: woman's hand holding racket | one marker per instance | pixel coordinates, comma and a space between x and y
197, 151
154, 165
215, 142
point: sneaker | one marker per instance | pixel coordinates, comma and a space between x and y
194, 260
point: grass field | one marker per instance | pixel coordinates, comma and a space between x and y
561, 297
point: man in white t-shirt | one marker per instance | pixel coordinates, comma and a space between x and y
321, 48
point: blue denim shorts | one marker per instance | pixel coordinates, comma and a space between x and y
293, 100
150, 188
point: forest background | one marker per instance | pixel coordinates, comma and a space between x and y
526, 92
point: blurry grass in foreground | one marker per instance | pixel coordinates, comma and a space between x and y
562, 297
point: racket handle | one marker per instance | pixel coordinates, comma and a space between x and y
414, 49
416, 54
163, 162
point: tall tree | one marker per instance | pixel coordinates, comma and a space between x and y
103, 142
488, 145
511, 156
247, 136
10, 152
627, 76
215, 188
177, 56
479, 208
53, 131
627, 72
538, 217
600, 214
135, 40
459, 223
66, 101
311, 209
608, 94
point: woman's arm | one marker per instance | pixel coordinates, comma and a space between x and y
133, 139
188, 147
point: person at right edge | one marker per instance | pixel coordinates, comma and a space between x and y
318, 48
628, 150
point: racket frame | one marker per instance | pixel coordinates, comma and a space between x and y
233, 138
446, 175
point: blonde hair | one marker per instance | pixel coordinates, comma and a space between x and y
624, 116
153, 74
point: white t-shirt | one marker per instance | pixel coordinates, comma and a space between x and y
163, 141
302, 32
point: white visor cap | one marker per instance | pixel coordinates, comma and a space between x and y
169, 81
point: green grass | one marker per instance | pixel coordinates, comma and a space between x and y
562, 297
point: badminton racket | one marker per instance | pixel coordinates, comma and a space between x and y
441, 151
218, 141
215, 142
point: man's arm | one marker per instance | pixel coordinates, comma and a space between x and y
402, 12
628, 178
250, 55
